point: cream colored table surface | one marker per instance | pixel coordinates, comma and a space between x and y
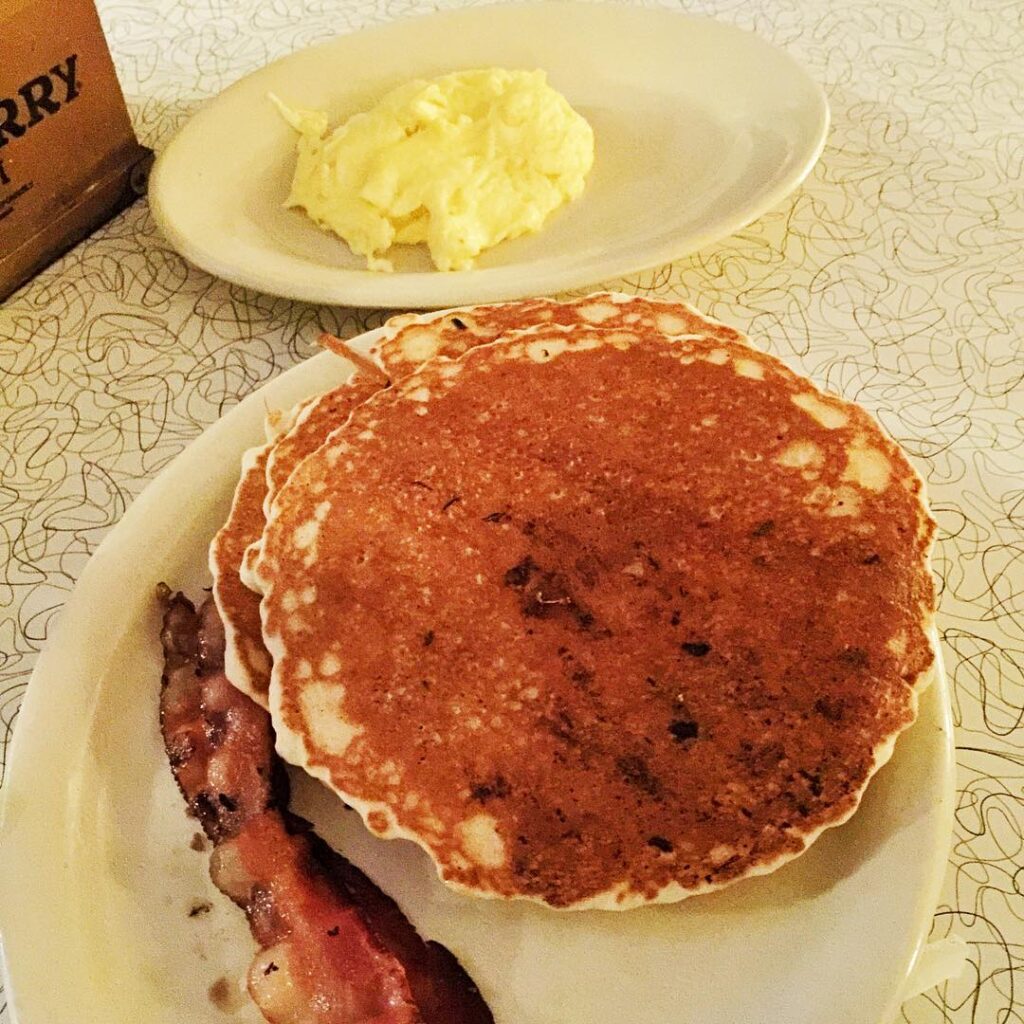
895, 277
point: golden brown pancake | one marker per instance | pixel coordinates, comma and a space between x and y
599, 618
411, 339
246, 661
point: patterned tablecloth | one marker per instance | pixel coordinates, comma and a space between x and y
894, 277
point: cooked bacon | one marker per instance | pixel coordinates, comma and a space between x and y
334, 949
218, 741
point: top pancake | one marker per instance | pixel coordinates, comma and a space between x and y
599, 618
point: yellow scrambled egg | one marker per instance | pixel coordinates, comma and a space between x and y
460, 162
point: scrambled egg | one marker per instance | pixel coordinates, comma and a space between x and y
460, 162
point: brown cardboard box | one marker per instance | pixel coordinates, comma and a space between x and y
68, 156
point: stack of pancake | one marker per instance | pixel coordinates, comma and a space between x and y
594, 601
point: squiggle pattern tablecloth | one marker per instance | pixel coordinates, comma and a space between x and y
894, 277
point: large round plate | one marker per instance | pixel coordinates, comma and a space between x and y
97, 878
700, 128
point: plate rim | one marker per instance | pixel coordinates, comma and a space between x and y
436, 289
30, 745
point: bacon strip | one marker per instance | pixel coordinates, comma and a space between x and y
334, 949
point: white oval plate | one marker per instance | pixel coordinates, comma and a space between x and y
700, 128
97, 878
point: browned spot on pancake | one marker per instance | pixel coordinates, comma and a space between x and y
637, 772
830, 708
683, 730
520, 573
611, 650
854, 657
497, 788
582, 676
545, 593
696, 648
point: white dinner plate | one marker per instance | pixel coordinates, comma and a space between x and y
699, 128
97, 879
